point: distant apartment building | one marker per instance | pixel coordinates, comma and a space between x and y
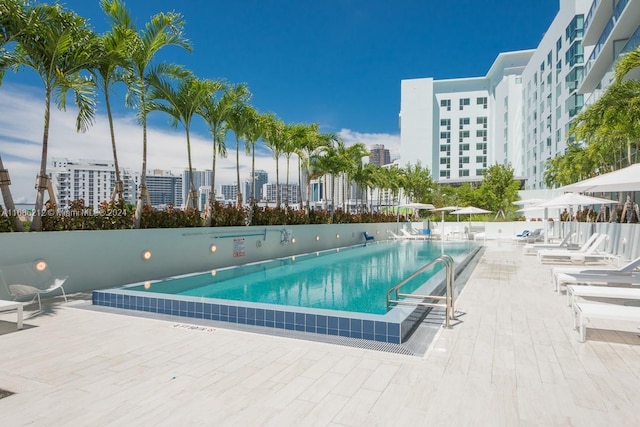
164, 188
90, 180
287, 193
203, 197
228, 191
200, 179
521, 111
379, 155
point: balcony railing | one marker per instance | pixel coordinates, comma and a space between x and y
592, 10
622, 4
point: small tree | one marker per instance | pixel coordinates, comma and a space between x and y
499, 189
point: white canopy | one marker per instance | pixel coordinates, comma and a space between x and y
627, 179
417, 206
573, 199
470, 210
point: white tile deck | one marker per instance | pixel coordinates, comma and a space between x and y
514, 360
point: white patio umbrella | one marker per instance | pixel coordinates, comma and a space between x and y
626, 179
573, 199
470, 210
569, 199
528, 202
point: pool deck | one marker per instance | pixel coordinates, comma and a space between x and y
514, 359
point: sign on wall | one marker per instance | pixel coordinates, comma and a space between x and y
238, 247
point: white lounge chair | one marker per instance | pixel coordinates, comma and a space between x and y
584, 311
588, 252
602, 292
533, 248
410, 236
24, 280
562, 276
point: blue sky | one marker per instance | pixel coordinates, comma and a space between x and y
335, 62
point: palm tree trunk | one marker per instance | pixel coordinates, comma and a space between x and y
253, 175
278, 182
238, 171
286, 199
300, 202
118, 189
212, 191
6, 196
143, 197
192, 198
36, 223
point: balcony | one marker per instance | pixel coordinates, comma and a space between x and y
620, 26
596, 19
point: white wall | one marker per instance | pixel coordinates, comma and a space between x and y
103, 259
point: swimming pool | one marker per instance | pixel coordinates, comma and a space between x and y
335, 292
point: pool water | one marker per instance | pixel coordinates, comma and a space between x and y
349, 279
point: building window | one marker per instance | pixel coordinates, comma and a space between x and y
446, 122
575, 54
464, 102
480, 172
464, 172
445, 103
445, 174
558, 46
463, 121
575, 29
482, 133
463, 134
482, 100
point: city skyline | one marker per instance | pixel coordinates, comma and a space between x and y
334, 63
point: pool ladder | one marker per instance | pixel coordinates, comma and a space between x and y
448, 298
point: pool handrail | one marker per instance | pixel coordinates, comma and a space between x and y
449, 304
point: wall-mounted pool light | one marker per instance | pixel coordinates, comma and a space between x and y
214, 272
337, 236
40, 265
317, 238
213, 248
293, 258
146, 255
147, 285
293, 240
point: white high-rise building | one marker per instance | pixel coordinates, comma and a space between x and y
520, 111
90, 180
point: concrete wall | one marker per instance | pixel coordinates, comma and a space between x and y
104, 259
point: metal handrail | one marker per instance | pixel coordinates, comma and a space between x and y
449, 304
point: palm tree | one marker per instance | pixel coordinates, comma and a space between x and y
294, 134
275, 136
353, 162
312, 145
58, 46
256, 131
114, 49
164, 29
627, 63
240, 121
13, 22
215, 112
181, 103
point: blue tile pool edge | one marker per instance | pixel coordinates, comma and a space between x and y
285, 318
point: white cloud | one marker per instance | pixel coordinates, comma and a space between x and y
390, 142
21, 127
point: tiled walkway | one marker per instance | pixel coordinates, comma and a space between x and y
513, 360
